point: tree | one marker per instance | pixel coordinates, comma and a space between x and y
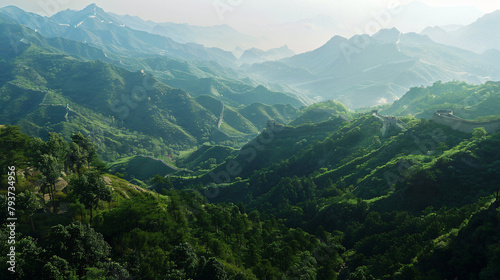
77, 158
29, 259
28, 203
82, 152
90, 189
13, 149
185, 258
58, 268
479, 133
80, 246
56, 146
213, 270
159, 182
51, 168
86, 144
50, 159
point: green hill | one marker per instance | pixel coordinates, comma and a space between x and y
125, 112
465, 100
197, 239
140, 167
362, 184
259, 114
272, 146
321, 112
206, 157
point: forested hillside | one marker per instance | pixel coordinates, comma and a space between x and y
371, 206
44, 89
98, 226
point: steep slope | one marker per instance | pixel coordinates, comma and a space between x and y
50, 91
259, 114
205, 158
95, 27
399, 199
273, 145
45, 87
185, 66
465, 100
198, 240
320, 112
479, 36
140, 167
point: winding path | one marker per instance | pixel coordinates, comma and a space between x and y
221, 118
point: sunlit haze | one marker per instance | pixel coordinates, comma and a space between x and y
302, 25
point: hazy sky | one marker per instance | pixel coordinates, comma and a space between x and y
301, 24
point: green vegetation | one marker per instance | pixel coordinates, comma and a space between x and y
206, 157
176, 235
140, 167
320, 112
472, 102
43, 89
200, 182
373, 207
391, 198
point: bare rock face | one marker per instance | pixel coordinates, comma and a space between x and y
61, 184
107, 180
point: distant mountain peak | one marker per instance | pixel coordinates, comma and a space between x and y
92, 8
491, 18
77, 18
432, 28
284, 47
387, 35
334, 41
337, 39
12, 7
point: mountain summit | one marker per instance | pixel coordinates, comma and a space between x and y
479, 36
387, 35
92, 13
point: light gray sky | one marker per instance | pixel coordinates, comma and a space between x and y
302, 24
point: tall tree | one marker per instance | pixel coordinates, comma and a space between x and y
51, 168
77, 158
14, 147
56, 146
87, 145
28, 203
90, 189
80, 245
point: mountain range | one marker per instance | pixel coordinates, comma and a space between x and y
255, 55
95, 27
44, 88
479, 36
219, 36
374, 70
359, 71
166, 159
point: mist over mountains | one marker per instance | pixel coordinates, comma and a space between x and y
374, 70
478, 36
360, 71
